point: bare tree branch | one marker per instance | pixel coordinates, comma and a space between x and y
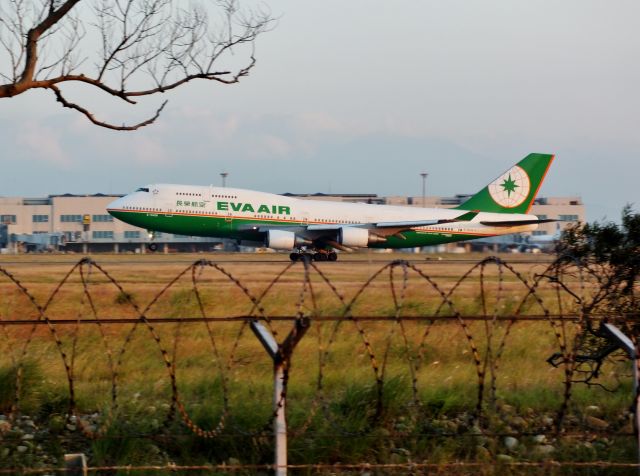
61, 99
145, 47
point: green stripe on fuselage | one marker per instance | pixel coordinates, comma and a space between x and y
414, 239
203, 225
223, 227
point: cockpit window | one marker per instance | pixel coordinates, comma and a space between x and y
142, 189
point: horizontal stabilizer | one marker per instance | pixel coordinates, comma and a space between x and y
516, 222
464, 217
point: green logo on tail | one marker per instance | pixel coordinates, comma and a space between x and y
509, 185
514, 190
511, 188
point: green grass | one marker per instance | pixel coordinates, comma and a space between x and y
349, 412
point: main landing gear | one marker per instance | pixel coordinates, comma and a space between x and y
153, 247
316, 255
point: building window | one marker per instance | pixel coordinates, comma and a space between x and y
568, 217
131, 234
102, 218
539, 233
71, 218
542, 217
102, 235
8, 219
40, 218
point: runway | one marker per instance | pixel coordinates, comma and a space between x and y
253, 258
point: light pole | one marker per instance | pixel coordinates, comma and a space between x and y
424, 176
224, 178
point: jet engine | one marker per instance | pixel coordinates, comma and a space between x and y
357, 237
284, 240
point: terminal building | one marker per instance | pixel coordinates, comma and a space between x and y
80, 223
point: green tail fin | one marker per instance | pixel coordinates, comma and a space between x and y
514, 190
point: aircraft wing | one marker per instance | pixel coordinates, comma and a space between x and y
389, 228
396, 227
328, 233
468, 216
403, 225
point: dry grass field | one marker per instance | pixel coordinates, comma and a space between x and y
392, 389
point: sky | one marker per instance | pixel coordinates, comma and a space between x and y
363, 96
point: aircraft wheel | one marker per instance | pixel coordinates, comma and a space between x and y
294, 256
152, 247
333, 256
320, 257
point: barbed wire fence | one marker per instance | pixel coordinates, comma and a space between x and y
393, 322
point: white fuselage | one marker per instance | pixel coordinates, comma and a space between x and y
216, 211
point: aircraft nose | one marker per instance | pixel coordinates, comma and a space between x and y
117, 204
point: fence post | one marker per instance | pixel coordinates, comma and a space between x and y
75, 464
281, 356
279, 419
625, 343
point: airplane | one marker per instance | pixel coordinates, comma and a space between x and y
314, 229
